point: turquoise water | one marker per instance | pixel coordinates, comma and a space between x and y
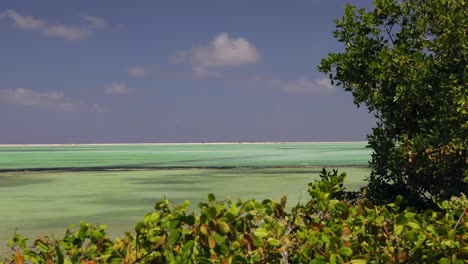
45, 189
183, 155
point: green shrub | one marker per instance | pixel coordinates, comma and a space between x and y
330, 228
407, 62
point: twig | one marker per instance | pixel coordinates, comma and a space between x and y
465, 211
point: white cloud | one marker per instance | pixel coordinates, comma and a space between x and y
222, 51
72, 33
305, 86
23, 22
136, 70
52, 101
118, 88
99, 108
68, 33
94, 22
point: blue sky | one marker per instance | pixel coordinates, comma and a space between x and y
171, 71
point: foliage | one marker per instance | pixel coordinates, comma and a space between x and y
327, 229
407, 62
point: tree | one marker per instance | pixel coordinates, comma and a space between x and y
407, 62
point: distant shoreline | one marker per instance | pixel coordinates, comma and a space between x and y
173, 143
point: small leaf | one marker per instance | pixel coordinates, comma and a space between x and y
258, 242
398, 230
238, 259
260, 232
358, 261
274, 242
410, 215
211, 242
161, 240
203, 218
212, 212
380, 219
211, 197
414, 225
204, 229
190, 220
223, 250
345, 252
222, 228
398, 200
60, 259
43, 247
188, 247
173, 237
340, 206
318, 261
464, 251
411, 236
444, 261
220, 239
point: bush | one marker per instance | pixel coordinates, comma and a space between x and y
330, 228
407, 61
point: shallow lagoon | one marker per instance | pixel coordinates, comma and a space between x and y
44, 189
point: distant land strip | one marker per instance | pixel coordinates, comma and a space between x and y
174, 143
149, 168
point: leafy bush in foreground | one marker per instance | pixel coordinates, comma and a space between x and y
329, 228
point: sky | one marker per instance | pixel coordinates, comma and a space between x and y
172, 71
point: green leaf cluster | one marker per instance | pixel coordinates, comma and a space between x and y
332, 227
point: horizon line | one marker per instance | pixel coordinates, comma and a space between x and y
179, 143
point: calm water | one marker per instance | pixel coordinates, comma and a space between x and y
44, 189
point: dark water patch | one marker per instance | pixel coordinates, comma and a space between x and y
16, 181
175, 163
163, 181
129, 203
291, 148
112, 168
156, 168
188, 189
257, 172
227, 158
330, 167
210, 160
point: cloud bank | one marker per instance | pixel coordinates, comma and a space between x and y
208, 62
71, 33
222, 51
136, 70
52, 101
117, 88
305, 85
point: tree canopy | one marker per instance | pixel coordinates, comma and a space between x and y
406, 61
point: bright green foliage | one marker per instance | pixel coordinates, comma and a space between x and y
327, 229
407, 62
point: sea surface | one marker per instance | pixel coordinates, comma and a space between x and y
44, 189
